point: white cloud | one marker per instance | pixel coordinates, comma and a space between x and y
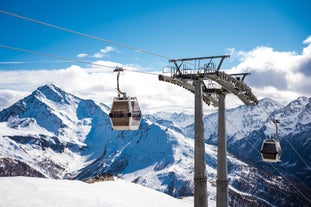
305, 58
100, 54
104, 52
99, 84
82, 55
9, 97
282, 76
307, 41
107, 49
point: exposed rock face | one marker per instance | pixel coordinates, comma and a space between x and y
54, 134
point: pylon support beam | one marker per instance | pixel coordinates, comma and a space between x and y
222, 170
208, 97
234, 86
200, 179
181, 75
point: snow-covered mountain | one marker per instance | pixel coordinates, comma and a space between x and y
53, 134
47, 131
248, 126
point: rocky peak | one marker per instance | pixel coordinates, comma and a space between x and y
54, 94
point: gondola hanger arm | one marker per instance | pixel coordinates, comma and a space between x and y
119, 69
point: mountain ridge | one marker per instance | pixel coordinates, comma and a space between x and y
81, 144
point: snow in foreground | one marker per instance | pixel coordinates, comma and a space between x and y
26, 191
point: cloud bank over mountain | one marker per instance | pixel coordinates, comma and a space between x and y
280, 75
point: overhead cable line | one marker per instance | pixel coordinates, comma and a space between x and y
299, 191
32, 62
274, 167
70, 59
89, 36
290, 144
85, 35
52, 56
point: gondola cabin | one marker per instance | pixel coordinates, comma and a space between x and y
125, 113
271, 150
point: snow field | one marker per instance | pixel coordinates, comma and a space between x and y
40, 192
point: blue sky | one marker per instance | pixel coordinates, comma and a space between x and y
261, 37
172, 28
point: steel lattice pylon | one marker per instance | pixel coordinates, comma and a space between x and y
192, 79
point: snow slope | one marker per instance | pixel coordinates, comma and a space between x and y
54, 134
40, 192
